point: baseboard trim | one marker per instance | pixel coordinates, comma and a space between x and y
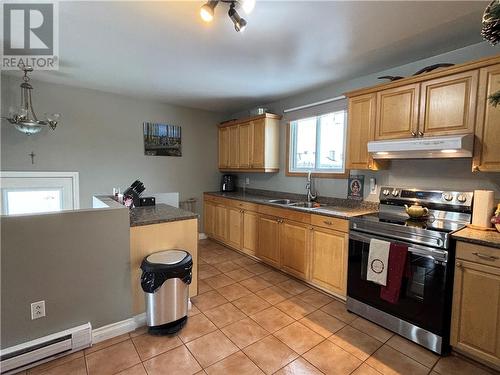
202, 236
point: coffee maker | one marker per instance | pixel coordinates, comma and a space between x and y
228, 183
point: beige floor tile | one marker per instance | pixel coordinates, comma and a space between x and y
208, 300
414, 351
315, 298
274, 295
258, 268
219, 281
237, 364
55, 362
151, 345
211, 348
227, 266
73, 367
206, 270
135, 370
139, 331
233, 291
244, 332
178, 361
255, 283
270, 354
225, 314
322, 323
203, 287
274, 277
372, 329
106, 343
293, 286
299, 367
389, 361
355, 342
453, 365
245, 261
193, 311
298, 337
241, 274
272, 319
331, 359
364, 369
195, 327
112, 359
295, 307
251, 304
339, 311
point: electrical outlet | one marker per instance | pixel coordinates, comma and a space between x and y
247, 180
37, 310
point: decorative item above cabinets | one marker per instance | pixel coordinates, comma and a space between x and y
451, 101
250, 145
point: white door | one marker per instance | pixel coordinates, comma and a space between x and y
34, 192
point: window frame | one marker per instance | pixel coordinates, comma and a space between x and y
315, 173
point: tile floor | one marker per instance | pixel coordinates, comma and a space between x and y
249, 319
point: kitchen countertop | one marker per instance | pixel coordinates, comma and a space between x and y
340, 208
480, 237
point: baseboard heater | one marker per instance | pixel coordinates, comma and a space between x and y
44, 349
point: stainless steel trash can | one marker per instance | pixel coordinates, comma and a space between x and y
165, 279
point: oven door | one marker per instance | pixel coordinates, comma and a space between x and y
425, 297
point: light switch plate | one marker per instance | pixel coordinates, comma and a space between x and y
37, 310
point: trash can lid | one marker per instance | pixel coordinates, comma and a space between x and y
167, 257
174, 262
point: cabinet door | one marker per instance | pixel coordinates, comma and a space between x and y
268, 249
245, 145
476, 311
258, 143
448, 105
234, 151
209, 218
361, 129
329, 260
487, 147
220, 223
397, 112
234, 226
250, 232
223, 147
294, 248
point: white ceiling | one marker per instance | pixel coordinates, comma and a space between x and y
163, 50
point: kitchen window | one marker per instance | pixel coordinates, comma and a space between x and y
317, 144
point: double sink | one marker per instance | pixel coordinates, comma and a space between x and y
298, 204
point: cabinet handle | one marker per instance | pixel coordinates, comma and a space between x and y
311, 228
368, 165
485, 256
475, 168
413, 134
459, 264
327, 222
421, 134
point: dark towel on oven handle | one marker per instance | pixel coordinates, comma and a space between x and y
398, 255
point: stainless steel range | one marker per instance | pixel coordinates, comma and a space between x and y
422, 313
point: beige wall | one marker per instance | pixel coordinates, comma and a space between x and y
77, 261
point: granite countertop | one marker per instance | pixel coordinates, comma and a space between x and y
480, 237
333, 207
161, 213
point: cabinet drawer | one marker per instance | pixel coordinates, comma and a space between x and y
330, 222
479, 254
243, 205
285, 214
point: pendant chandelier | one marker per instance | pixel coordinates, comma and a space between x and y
207, 11
24, 119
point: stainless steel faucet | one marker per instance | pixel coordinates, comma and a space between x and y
310, 196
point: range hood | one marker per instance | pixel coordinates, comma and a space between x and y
450, 146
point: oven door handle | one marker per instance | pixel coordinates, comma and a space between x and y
440, 255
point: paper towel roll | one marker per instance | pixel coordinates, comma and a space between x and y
484, 207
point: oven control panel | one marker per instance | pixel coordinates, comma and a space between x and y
456, 198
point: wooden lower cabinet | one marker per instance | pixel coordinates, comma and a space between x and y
475, 328
329, 259
234, 225
209, 218
250, 232
220, 222
294, 248
269, 249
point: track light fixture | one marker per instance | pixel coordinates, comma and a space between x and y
207, 11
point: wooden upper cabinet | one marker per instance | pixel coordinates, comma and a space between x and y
487, 147
448, 105
360, 130
252, 145
223, 147
269, 238
397, 112
294, 248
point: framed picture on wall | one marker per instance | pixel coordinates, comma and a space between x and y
356, 187
162, 139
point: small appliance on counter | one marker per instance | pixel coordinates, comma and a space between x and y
228, 183
147, 201
134, 191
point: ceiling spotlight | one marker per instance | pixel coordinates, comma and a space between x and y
239, 23
247, 5
207, 10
